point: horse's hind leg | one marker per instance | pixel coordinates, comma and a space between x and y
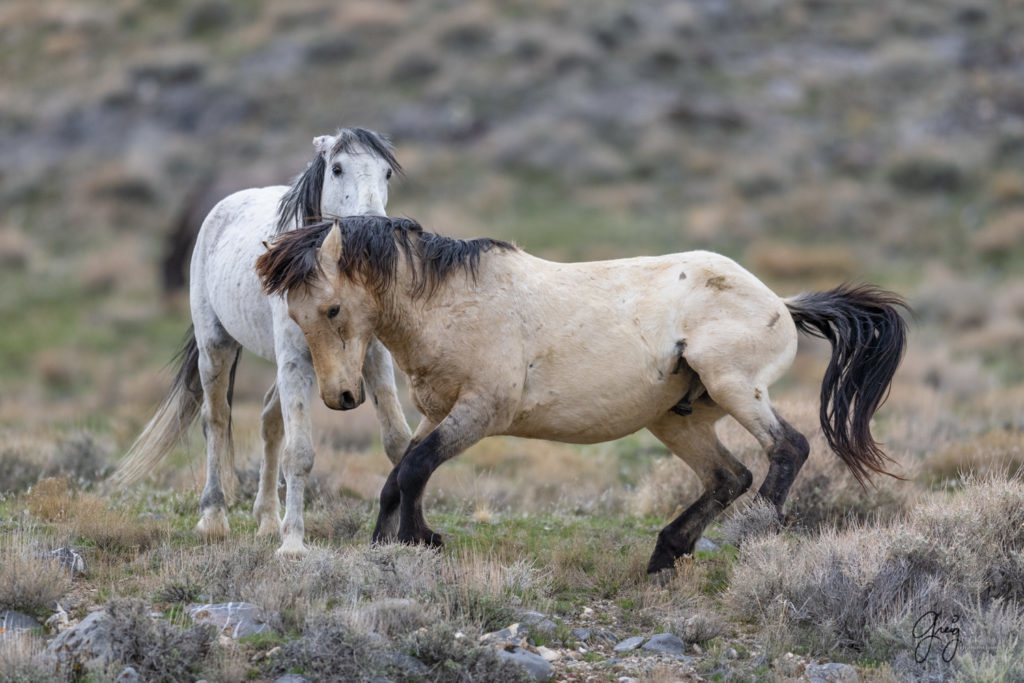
295, 378
379, 374
217, 363
693, 439
267, 508
787, 448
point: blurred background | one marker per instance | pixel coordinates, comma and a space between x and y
815, 141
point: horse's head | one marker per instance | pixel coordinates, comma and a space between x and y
337, 316
357, 167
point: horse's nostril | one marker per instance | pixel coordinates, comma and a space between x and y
347, 400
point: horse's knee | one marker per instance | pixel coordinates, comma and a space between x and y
725, 485
298, 459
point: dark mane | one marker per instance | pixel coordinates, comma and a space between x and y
300, 205
371, 247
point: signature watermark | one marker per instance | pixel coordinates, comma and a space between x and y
933, 629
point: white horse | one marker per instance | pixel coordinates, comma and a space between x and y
496, 341
348, 176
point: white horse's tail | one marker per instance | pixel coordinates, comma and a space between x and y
175, 415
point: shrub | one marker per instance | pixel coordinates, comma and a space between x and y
861, 590
156, 649
457, 660
329, 650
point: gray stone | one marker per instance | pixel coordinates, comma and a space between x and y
582, 634
12, 622
234, 619
630, 644
535, 665
514, 633
82, 648
705, 544
293, 678
667, 643
832, 672
409, 666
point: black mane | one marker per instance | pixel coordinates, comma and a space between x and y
371, 246
300, 205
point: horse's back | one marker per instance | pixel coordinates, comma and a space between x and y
225, 294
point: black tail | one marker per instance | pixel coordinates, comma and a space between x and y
868, 338
176, 413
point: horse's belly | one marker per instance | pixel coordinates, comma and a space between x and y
593, 417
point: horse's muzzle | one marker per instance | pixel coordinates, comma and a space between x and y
347, 400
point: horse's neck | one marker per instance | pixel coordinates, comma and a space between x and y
400, 319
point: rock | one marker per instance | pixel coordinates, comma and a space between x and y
234, 619
630, 644
84, 647
128, 675
68, 559
667, 643
532, 623
731, 653
293, 678
11, 623
627, 679
790, 665
548, 654
705, 544
534, 664
510, 634
582, 634
408, 665
832, 672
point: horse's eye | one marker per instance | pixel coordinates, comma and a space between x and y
388, 175
332, 312
336, 169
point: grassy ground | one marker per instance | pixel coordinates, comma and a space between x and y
843, 582
813, 142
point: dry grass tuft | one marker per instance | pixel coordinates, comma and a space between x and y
861, 590
29, 581
998, 453
50, 500
114, 530
756, 519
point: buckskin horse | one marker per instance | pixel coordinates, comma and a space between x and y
496, 341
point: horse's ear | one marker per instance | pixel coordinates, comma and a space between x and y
330, 250
323, 144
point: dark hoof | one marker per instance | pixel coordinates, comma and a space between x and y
429, 538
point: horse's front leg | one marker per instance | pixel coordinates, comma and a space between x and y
295, 379
469, 421
379, 375
390, 497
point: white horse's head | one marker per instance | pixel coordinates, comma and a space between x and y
337, 316
348, 177
355, 176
